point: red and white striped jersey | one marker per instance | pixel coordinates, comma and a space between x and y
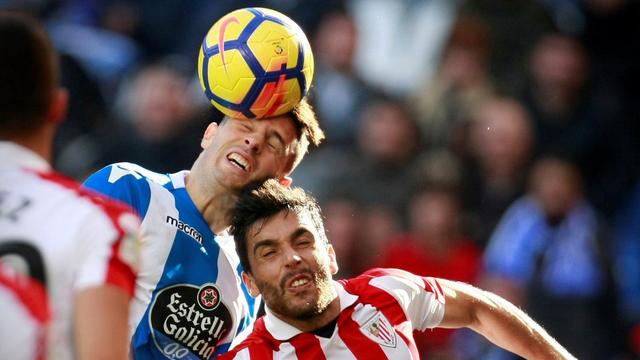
55, 240
379, 311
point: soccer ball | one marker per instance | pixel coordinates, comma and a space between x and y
255, 63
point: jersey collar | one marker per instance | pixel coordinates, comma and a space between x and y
14, 155
283, 331
177, 179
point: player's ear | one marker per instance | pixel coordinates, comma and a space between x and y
250, 283
59, 106
286, 181
333, 263
208, 135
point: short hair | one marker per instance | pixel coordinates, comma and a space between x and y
264, 202
28, 73
308, 128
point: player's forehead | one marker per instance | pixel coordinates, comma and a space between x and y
283, 226
283, 124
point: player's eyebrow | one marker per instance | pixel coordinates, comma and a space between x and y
299, 232
262, 243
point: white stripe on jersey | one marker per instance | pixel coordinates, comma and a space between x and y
335, 348
229, 282
153, 253
423, 314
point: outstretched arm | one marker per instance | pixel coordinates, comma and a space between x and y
499, 321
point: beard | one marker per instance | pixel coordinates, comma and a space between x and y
277, 299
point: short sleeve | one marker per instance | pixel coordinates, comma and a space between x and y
421, 297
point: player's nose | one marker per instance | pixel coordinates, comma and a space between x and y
254, 142
292, 258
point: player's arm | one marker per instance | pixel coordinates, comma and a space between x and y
101, 328
498, 320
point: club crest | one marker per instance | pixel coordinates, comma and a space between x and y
379, 329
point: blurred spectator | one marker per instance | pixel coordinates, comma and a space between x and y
440, 167
338, 93
626, 251
157, 126
549, 255
358, 234
342, 221
514, 27
499, 152
445, 105
88, 113
434, 246
401, 40
574, 116
382, 171
107, 56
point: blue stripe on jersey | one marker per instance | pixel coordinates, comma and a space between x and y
124, 182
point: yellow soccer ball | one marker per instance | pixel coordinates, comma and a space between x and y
255, 63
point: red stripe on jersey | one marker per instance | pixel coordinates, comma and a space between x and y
33, 295
307, 346
360, 345
119, 273
260, 343
438, 292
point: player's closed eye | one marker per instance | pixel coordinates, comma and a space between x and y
275, 145
303, 242
268, 253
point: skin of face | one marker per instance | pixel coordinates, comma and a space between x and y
239, 152
291, 266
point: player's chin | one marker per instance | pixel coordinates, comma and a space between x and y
304, 310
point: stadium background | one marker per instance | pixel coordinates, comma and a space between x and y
490, 141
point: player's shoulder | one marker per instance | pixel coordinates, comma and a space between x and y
382, 273
126, 172
390, 279
129, 183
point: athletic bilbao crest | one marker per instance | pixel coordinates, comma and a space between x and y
187, 322
379, 329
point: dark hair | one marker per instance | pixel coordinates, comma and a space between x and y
306, 121
262, 203
28, 73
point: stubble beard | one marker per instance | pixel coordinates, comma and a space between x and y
276, 299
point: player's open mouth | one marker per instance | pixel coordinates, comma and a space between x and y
239, 161
299, 282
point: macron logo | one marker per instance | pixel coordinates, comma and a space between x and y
185, 228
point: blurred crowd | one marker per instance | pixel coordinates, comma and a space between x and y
495, 142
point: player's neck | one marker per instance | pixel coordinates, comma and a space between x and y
214, 203
40, 142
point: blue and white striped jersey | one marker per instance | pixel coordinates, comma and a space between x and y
189, 301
